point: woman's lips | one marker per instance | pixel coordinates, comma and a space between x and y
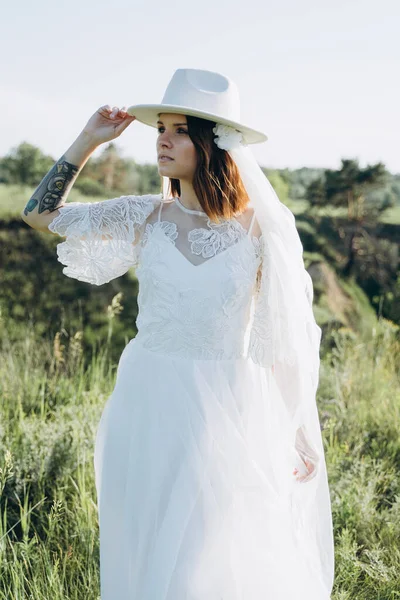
164, 159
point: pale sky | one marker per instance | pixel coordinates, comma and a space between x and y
321, 79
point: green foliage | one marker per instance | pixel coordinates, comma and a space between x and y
389, 303
359, 398
299, 180
50, 407
360, 191
338, 303
51, 400
105, 176
348, 185
363, 317
24, 165
279, 183
391, 215
89, 187
35, 289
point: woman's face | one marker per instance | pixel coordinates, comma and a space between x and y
173, 141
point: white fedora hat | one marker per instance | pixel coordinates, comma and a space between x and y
203, 94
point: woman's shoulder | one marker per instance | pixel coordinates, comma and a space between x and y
131, 207
132, 201
141, 204
247, 219
146, 198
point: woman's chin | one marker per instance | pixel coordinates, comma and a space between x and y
164, 168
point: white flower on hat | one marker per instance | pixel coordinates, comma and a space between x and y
227, 137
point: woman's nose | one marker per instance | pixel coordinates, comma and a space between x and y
163, 139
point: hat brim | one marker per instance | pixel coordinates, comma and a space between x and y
149, 115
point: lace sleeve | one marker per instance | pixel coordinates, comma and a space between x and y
101, 237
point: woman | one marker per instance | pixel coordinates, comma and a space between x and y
210, 471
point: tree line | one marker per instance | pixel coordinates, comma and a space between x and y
342, 218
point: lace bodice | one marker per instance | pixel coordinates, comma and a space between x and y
197, 279
196, 286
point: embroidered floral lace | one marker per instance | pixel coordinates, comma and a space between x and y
199, 281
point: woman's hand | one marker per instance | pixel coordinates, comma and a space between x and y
307, 454
311, 471
107, 124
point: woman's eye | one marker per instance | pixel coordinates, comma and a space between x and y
179, 129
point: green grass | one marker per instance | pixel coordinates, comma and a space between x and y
298, 207
391, 216
360, 392
50, 405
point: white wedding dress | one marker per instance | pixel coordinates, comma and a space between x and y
194, 468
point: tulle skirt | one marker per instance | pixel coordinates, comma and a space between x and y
194, 478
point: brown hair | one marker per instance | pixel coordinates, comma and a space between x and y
216, 181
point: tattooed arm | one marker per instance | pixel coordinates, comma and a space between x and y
54, 188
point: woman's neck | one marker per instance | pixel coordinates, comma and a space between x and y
188, 196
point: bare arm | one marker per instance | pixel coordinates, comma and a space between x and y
105, 125
55, 186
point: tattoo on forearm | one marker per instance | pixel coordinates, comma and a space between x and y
53, 188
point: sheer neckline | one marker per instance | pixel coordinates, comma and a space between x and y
189, 210
219, 241
226, 250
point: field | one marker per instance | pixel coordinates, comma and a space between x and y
52, 392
